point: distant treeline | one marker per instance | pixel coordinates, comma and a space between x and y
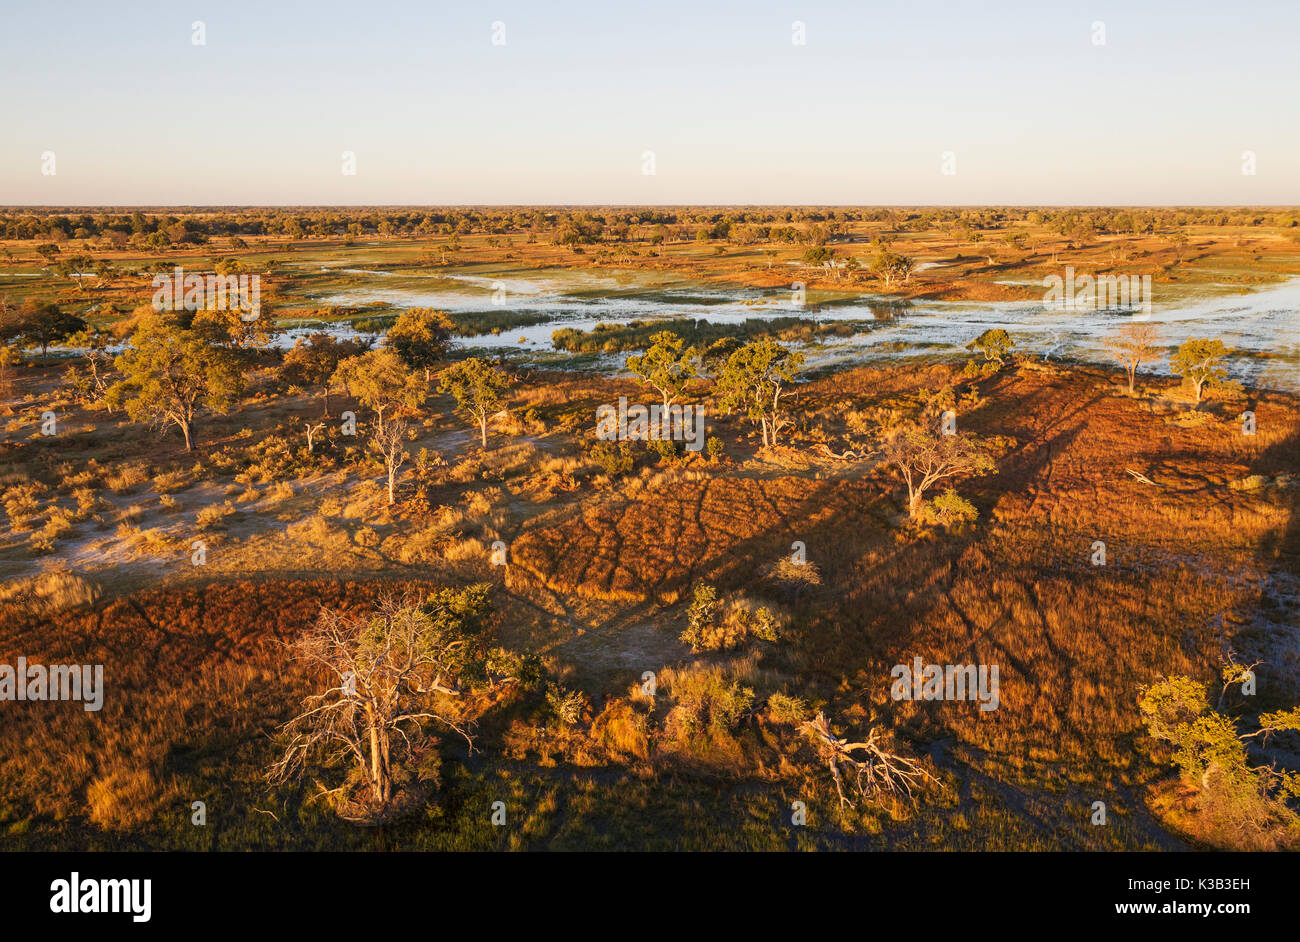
571, 226
467, 323
703, 335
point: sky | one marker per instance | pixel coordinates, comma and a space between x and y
573, 102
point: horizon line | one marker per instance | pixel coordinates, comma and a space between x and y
14, 207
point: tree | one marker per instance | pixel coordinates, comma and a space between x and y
994, 343
171, 374
44, 323
925, 457
1199, 362
878, 769
1244, 806
390, 673
389, 441
421, 336
1132, 346
311, 363
890, 267
11, 321
8, 357
478, 387
75, 269
380, 380
754, 378
665, 365
228, 326
91, 381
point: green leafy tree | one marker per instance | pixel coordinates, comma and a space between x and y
74, 269
226, 326
312, 362
44, 323
754, 378
1241, 805
478, 387
381, 381
890, 267
666, 366
171, 375
1200, 362
925, 457
11, 321
421, 336
994, 344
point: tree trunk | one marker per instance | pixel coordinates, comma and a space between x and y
185, 425
482, 427
377, 784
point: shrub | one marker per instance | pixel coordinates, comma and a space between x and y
623, 730
122, 799
215, 516
950, 509
21, 504
794, 577
707, 700
126, 477
613, 458
565, 705
786, 709
665, 449
61, 590
718, 626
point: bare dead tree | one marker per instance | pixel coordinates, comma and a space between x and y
848, 455
1132, 346
390, 441
1142, 478
388, 671
876, 770
312, 430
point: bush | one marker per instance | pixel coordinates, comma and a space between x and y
565, 705
122, 799
613, 458
786, 709
707, 700
665, 449
950, 509
718, 626
215, 516
623, 730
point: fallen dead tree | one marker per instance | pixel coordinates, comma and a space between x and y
874, 769
848, 455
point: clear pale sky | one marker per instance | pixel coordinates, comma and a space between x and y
733, 110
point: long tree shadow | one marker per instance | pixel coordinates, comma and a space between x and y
1273, 618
